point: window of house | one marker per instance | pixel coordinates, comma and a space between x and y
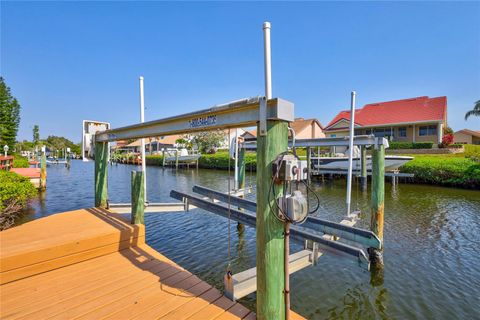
427, 130
333, 135
379, 132
402, 132
368, 131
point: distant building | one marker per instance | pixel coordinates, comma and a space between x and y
467, 136
410, 120
304, 129
307, 128
152, 145
249, 135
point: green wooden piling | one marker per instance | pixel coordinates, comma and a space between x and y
270, 242
363, 176
378, 196
241, 168
43, 171
101, 174
138, 199
241, 181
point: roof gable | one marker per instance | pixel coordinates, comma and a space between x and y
398, 111
470, 132
300, 124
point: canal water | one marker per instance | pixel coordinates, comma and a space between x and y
432, 243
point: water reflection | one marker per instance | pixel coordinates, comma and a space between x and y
431, 249
359, 303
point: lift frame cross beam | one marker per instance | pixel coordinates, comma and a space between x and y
361, 140
241, 113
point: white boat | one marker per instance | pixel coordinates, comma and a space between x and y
183, 155
56, 161
341, 163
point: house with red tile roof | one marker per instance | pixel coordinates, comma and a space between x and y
467, 136
410, 120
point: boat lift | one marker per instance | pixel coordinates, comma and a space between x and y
318, 232
271, 116
317, 235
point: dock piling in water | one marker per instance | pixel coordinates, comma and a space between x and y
43, 172
101, 174
363, 163
270, 244
378, 197
138, 198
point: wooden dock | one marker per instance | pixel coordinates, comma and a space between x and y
92, 264
34, 174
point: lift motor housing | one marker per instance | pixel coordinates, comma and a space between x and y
295, 206
290, 168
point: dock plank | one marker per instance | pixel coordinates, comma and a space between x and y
92, 264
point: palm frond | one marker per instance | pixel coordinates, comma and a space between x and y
474, 112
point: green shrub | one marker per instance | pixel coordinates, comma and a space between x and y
154, 160
410, 145
423, 145
15, 187
400, 145
472, 151
20, 162
444, 170
15, 190
455, 146
219, 160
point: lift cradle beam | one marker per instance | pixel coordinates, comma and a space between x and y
361, 236
249, 219
237, 114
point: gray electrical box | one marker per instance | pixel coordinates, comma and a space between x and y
291, 169
295, 206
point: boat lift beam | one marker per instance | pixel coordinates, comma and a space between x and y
237, 114
249, 219
361, 140
364, 237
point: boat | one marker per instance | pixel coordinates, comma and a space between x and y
56, 161
183, 155
392, 163
340, 162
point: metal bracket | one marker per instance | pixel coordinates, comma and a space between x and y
263, 116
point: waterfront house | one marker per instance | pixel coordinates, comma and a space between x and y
409, 120
307, 128
304, 129
467, 136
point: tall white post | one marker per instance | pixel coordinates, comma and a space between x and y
236, 161
350, 151
268, 60
142, 119
440, 132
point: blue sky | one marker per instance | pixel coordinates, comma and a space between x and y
69, 61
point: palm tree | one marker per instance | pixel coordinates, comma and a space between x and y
474, 112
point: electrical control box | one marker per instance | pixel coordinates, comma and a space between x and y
290, 168
295, 206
